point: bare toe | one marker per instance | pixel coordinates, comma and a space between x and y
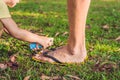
41, 58
50, 42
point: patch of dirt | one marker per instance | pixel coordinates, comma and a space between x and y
107, 66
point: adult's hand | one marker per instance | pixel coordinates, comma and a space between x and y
11, 3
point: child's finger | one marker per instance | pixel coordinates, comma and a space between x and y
51, 42
37, 46
35, 49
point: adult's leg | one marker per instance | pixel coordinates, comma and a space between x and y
77, 14
75, 50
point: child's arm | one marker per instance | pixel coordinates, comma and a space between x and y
1, 29
11, 27
24, 35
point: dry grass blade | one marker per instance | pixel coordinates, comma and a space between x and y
65, 33
118, 38
3, 78
73, 77
106, 27
13, 58
44, 77
57, 34
27, 78
3, 66
57, 78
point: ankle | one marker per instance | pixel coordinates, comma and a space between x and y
76, 50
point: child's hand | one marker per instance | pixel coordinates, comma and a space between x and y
11, 3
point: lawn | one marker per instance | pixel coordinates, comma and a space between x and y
49, 18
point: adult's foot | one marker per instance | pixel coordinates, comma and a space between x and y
61, 55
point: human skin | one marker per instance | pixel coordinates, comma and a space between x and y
75, 50
11, 3
11, 28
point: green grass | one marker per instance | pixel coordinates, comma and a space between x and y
49, 17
